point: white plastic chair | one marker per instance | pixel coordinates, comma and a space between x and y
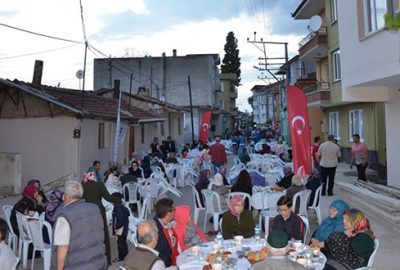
12, 238
307, 225
269, 210
245, 195
197, 204
131, 189
316, 204
36, 234
304, 196
371, 258
211, 196
24, 239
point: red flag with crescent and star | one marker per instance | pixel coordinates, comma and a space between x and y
205, 126
299, 129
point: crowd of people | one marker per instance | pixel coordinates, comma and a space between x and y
81, 238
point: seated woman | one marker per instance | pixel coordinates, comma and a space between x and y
288, 221
112, 179
244, 156
222, 174
353, 248
297, 186
217, 184
237, 221
38, 185
333, 223
203, 183
313, 183
243, 184
187, 232
135, 170
31, 202
54, 206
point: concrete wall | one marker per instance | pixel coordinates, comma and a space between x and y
46, 145
202, 69
10, 173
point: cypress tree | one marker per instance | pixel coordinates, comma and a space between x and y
231, 61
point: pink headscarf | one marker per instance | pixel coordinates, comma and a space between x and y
29, 192
181, 218
234, 200
88, 176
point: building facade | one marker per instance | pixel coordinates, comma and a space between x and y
339, 115
167, 79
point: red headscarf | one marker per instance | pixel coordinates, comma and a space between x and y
181, 218
29, 192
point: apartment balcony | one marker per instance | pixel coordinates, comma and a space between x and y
314, 46
318, 95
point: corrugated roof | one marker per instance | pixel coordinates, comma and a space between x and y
93, 105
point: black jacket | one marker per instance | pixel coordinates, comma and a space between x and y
165, 252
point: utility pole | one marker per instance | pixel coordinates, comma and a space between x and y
130, 91
191, 109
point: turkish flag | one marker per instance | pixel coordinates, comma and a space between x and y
299, 129
205, 126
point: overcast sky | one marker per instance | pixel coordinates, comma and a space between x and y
137, 28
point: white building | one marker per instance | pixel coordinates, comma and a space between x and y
370, 66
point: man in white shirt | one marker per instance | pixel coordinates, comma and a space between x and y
144, 256
327, 155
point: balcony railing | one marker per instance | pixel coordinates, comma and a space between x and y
316, 87
310, 36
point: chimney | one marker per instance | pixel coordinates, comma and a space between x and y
37, 73
174, 52
116, 89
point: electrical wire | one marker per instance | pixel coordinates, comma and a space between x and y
42, 35
34, 53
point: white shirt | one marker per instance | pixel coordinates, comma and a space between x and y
329, 153
62, 232
159, 264
8, 260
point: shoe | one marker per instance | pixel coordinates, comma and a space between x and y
330, 194
323, 194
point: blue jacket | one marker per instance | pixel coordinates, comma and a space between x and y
120, 216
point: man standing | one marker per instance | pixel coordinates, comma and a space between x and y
327, 156
78, 233
167, 244
217, 153
96, 170
359, 157
317, 142
144, 256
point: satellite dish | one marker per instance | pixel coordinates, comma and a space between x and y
79, 74
315, 23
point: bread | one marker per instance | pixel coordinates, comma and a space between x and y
254, 257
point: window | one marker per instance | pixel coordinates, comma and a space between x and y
373, 14
142, 133
162, 129
356, 124
394, 6
333, 11
101, 136
336, 65
334, 124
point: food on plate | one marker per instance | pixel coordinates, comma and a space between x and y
254, 257
212, 258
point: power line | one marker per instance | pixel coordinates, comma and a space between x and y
42, 35
40, 52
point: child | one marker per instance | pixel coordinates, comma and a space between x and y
120, 225
7, 257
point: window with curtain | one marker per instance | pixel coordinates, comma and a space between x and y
336, 65
374, 10
356, 124
334, 124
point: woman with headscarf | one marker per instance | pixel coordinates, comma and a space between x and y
146, 166
296, 186
30, 202
94, 192
313, 183
333, 223
54, 206
38, 185
202, 183
243, 184
353, 248
237, 220
187, 232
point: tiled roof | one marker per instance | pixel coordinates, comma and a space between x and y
93, 105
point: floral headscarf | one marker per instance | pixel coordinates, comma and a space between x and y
88, 176
360, 223
233, 201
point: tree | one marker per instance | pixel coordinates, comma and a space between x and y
231, 61
250, 101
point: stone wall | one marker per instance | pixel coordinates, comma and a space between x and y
10, 173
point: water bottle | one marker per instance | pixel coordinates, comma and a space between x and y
220, 238
257, 233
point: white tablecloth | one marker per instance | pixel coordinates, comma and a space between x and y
188, 261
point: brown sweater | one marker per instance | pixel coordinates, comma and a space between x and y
140, 259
